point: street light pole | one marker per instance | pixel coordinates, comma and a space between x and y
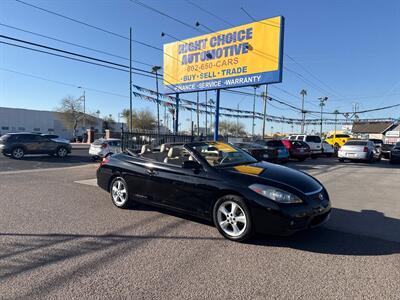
322, 101
130, 81
155, 70
303, 113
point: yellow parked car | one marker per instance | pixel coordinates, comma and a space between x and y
337, 141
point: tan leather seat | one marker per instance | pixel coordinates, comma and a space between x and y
145, 149
174, 153
164, 148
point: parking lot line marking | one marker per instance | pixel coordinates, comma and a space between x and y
91, 182
44, 170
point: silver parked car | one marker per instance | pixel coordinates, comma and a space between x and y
359, 150
103, 147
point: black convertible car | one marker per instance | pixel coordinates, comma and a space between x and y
218, 182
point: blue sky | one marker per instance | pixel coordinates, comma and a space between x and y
353, 47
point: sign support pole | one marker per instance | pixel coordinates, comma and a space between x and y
216, 122
130, 80
176, 114
265, 110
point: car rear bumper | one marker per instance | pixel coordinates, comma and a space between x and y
353, 155
96, 152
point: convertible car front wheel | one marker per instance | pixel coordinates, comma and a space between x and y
119, 193
232, 218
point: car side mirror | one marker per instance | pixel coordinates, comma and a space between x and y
191, 164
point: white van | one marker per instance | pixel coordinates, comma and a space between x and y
314, 141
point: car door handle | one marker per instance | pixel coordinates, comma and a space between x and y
151, 172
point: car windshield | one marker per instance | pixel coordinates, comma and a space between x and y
356, 143
219, 154
313, 139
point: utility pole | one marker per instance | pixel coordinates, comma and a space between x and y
336, 112
198, 117
254, 111
211, 102
155, 70
265, 97
322, 101
303, 113
206, 115
130, 81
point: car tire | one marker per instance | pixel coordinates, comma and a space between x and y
314, 156
62, 152
301, 159
341, 160
119, 193
17, 153
329, 155
232, 218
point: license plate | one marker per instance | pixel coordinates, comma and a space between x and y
351, 154
301, 150
266, 156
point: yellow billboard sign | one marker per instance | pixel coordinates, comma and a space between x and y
244, 55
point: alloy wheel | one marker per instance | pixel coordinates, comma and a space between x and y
62, 152
18, 153
231, 218
119, 192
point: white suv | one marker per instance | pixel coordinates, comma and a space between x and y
104, 147
313, 141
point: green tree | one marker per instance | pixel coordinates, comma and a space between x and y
143, 119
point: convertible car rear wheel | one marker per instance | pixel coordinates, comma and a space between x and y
119, 193
232, 218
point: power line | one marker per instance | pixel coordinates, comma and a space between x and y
73, 44
210, 13
88, 25
73, 53
311, 74
165, 15
63, 83
72, 58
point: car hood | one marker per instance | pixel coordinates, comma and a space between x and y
273, 174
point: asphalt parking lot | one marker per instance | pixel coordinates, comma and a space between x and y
61, 237
79, 156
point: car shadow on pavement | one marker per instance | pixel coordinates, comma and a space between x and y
368, 232
55, 159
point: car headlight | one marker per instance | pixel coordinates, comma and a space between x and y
275, 194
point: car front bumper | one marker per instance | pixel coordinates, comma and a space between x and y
290, 218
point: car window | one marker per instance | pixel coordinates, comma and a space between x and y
356, 143
300, 138
275, 143
261, 142
221, 154
313, 139
293, 137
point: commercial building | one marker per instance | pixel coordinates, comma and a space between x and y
28, 120
372, 130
